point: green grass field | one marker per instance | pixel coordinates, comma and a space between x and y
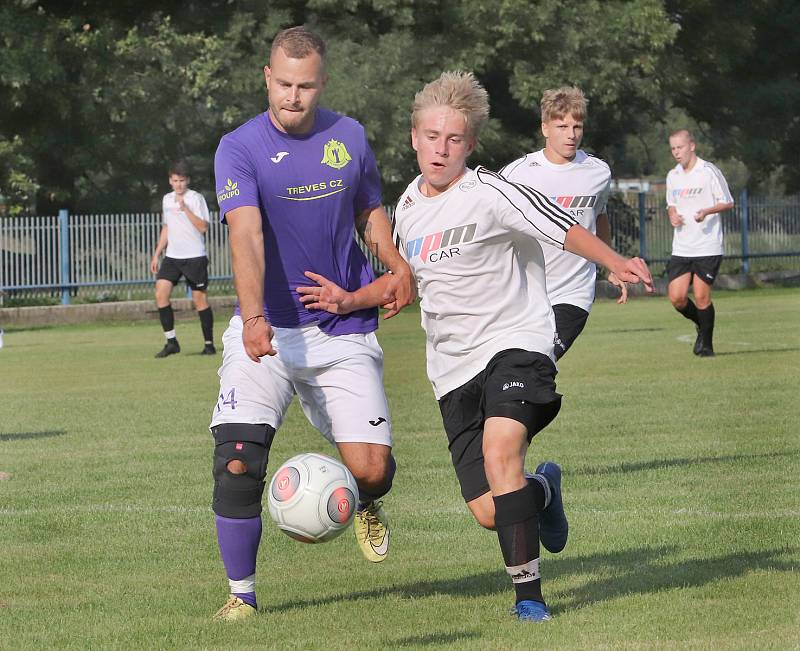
681, 484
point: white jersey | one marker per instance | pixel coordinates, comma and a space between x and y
581, 188
183, 239
702, 186
475, 252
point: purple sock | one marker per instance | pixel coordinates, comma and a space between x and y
238, 545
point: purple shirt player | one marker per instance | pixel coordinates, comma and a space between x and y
305, 186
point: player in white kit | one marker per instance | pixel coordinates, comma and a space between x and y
696, 195
473, 239
579, 183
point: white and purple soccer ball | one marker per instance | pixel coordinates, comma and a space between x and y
312, 497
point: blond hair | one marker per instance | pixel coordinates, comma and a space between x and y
557, 103
461, 92
681, 132
298, 43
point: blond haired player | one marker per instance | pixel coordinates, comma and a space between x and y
579, 183
474, 242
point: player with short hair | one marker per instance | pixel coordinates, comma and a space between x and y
579, 183
185, 222
472, 239
697, 193
292, 184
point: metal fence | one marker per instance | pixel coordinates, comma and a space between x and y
91, 258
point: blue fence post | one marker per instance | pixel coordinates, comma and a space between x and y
63, 227
642, 226
745, 212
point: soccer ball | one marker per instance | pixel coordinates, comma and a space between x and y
312, 498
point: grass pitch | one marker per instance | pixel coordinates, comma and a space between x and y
680, 478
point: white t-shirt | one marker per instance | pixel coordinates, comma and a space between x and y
701, 187
581, 188
475, 252
183, 239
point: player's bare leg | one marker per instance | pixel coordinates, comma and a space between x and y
373, 467
678, 292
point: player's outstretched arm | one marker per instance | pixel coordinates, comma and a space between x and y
328, 296
375, 229
629, 270
247, 253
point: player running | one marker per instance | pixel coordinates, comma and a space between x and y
292, 183
473, 239
579, 183
696, 195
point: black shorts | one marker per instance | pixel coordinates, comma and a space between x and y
570, 321
511, 375
705, 268
195, 270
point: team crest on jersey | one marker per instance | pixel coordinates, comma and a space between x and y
443, 245
467, 185
335, 155
407, 203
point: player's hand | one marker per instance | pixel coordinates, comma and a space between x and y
676, 219
700, 215
181, 201
403, 288
257, 338
326, 295
634, 270
623, 287
154, 265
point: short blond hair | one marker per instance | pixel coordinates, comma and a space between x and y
557, 103
298, 43
680, 132
460, 91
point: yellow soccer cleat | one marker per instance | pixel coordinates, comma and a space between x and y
372, 532
234, 610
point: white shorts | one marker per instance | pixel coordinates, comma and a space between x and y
338, 379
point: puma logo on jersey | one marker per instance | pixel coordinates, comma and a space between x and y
277, 158
375, 423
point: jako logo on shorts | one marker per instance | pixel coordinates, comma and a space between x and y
425, 245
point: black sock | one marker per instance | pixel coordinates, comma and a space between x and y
690, 311
517, 523
207, 324
167, 318
706, 322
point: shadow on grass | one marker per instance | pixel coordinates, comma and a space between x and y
757, 350
632, 571
14, 329
617, 331
24, 436
678, 462
436, 639
648, 570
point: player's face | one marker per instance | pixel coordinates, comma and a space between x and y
294, 87
442, 144
562, 138
179, 183
682, 149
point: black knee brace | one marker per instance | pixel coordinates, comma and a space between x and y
239, 496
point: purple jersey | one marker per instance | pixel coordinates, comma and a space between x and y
309, 189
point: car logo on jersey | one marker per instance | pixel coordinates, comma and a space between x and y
442, 245
467, 185
277, 158
335, 155
577, 201
686, 192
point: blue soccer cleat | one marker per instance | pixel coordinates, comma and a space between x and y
553, 526
531, 611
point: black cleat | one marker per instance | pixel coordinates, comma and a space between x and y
170, 348
209, 349
706, 351
698, 343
